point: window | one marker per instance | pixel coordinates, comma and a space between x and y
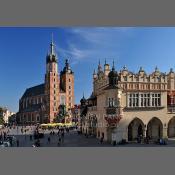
38, 118
156, 100
69, 87
111, 102
158, 79
125, 78
69, 80
62, 100
144, 100
125, 86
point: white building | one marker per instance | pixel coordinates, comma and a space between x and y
6, 114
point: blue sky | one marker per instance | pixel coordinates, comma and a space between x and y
23, 52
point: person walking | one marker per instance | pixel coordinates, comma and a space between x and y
62, 136
59, 141
48, 140
101, 140
22, 130
58, 133
17, 143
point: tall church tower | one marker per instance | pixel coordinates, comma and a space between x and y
67, 84
52, 84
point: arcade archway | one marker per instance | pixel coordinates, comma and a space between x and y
171, 127
135, 129
155, 128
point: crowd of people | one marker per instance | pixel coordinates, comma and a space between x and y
57, 134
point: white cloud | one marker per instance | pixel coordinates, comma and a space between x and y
97, 34
93, 43
73, 51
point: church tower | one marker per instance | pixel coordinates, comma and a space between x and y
67, 84
52, 84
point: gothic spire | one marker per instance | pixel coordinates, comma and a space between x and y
113, 66
99, 66
94, 72
52, 46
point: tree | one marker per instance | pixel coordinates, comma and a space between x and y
1, 120
62, 113
1, 116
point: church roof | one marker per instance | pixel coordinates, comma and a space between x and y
32, 108
34, 91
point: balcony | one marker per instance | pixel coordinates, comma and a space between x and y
144, 108
111, 110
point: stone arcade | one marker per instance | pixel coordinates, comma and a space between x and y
125, 105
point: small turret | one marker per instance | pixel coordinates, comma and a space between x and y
99, 67
113, 77
106, 68
83, 101
171, 70
67, 68
94, 75
156, 69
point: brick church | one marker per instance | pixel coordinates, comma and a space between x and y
42, 103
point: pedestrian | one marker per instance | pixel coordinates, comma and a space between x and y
62, 137
17, 143
22, 130
59, 139
11, 142
48, 140
101, 140
58, 133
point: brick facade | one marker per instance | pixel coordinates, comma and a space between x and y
40, 104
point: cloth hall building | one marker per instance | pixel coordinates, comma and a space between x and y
125, 105
41, 103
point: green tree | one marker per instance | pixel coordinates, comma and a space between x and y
1, 116
1, 120
62, 113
